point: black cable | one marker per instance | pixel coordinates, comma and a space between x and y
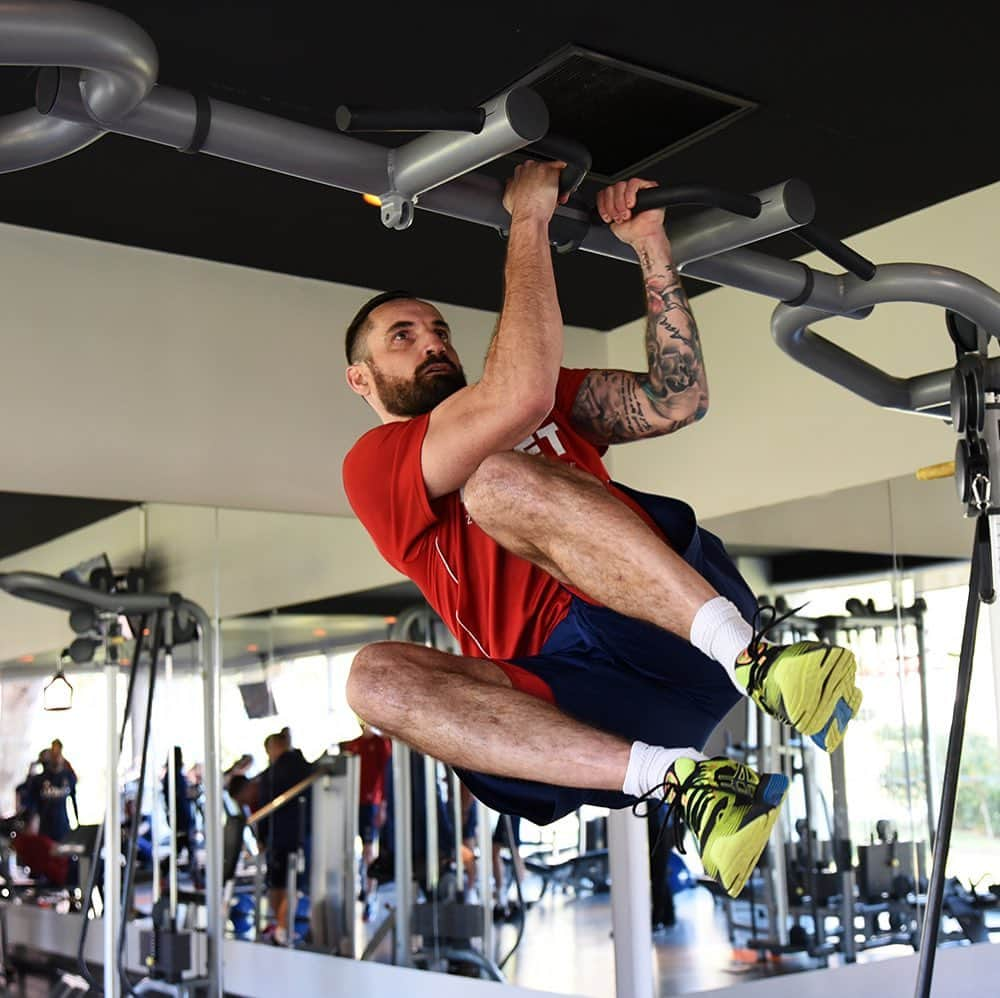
514, 850
835, 250
128, 884
99, 837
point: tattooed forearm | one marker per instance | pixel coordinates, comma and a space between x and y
618, 406
673, 347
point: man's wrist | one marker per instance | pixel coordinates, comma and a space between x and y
654, 252
530, 220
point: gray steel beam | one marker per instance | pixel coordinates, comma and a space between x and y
27, 139
118, 62
785, 280
169, 117
514, 119
894, 282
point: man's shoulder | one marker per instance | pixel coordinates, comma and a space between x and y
379, 436
381, 447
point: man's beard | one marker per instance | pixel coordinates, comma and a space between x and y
414, 397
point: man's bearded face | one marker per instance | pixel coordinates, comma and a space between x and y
432, 382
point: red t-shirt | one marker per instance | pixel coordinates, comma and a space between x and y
497, 605
35, 852
374, 753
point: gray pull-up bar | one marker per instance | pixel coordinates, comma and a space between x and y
118, 62
928, 394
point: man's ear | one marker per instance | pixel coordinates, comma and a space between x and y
359, 379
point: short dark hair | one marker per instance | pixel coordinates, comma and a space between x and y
236, 785
357, 326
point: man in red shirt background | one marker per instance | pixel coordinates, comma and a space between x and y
604, 634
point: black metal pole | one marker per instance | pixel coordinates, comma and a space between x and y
949, 790
925, 726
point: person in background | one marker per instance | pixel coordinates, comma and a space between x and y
503, 908
661, 894
239, 768
184, 826
48, 793
470, 820
57, 757
287, 830
374, 751
245, 793
22, 792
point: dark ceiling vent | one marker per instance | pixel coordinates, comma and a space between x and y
627, 116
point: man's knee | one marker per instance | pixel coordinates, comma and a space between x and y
369, 679
509, 482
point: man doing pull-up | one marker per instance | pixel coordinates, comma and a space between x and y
603, 633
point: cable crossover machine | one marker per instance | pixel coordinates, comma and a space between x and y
98, 74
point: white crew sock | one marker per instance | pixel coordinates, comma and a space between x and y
721, 633
648, 765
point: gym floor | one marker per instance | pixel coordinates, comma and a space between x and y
567, 947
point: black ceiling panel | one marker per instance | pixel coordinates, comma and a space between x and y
585, 90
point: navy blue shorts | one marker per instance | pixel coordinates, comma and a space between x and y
628, 677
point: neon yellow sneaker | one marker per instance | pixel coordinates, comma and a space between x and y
729, 809
809, 685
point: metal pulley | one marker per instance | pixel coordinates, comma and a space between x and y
968, 410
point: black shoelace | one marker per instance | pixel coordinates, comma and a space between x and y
699, 789
760, 661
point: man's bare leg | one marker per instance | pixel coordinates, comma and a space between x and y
568, 523
464, 712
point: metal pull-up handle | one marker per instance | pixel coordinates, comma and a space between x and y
750, 206
377, 119
747, 205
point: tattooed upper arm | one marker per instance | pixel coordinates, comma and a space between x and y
614, 407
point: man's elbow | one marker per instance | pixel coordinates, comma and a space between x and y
701, 409
694, 411
538, 404
522, 407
